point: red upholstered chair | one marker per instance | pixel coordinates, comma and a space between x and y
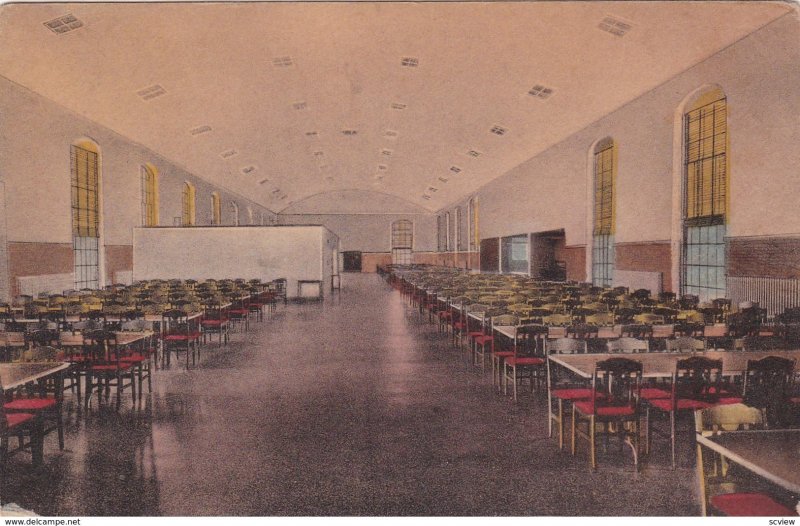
720, 491
768, 385
696, 384
613, 404
215, 320
19, 426
527, 359
104, 368
239, 313
179, 335
256, 304
563, 393
483, 344
44, 399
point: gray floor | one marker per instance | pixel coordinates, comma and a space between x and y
354, 406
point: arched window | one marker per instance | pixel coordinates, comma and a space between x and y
235, 213
439, 234
85, 162
447, 233
459, 244
603, 239
188, 210
250, 220
149, 177
705, 196
402, 242
216, 209
474, 237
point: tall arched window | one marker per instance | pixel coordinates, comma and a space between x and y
474, 237
85, 162
188, 210
149, 177
603, 240
447, 233
402, 242
705, 196
235, 213
459, 244
439, 233
216, 209
250, 220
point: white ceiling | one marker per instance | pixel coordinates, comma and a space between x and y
476, 64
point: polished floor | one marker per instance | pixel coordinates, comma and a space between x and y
352, 406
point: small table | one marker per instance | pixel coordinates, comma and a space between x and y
772, 454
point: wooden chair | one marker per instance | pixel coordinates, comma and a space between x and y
767, 385
104, 368
563, 393
527, 359
178, 335
720, 492
19, 425
696, 384
628, 345
613, 404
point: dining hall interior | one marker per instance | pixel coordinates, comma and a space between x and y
400, 259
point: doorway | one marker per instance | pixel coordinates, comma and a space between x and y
351, 261
547, 255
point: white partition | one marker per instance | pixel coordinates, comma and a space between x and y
297, 253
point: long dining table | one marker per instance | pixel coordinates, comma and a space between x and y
773, 454
658, 364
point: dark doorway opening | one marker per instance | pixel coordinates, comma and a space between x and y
351, 261
547, 255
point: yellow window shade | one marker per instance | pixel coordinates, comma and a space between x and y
706, 158
188, 215
85, 203
604, 170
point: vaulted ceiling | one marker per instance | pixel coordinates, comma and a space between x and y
423, 101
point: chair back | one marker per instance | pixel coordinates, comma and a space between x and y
566, 346
685, 344
628, 345
100, 346
698, 378
768, 385
531, 340
616, 382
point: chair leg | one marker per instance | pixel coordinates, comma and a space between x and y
593, 454
574, 424
560, 424
672, 436
513, 378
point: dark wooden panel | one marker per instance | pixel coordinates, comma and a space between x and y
490, 254
36, 259
771, 257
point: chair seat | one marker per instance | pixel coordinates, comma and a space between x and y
474, 334
574, 394
213, 323
483, 338
111, 367
459, 325
653, 393
133, 358
728, 400
585, 407
524, 360
795, 400
749, 505
30, 404
503, 354
16, 419
665, 404
445, 314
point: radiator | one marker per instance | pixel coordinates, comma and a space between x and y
773, 294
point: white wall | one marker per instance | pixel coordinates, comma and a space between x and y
761, 79
267, 253
35, 139
369, 232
